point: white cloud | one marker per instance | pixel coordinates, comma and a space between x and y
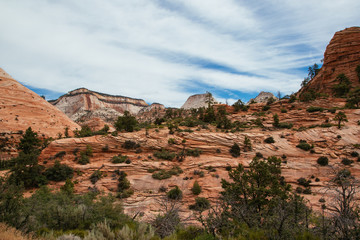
104, 46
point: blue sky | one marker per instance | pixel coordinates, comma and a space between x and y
165, 50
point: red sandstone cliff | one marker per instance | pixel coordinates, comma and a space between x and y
21, 108
342, 55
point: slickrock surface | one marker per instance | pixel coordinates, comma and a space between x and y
83, 103
21, 108
215, 145
342, 55
197, 101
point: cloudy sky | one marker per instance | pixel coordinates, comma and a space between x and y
166, 50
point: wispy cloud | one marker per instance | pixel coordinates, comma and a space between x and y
164, 50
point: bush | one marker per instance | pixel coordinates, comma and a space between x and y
96, 176
59, 172
164, 154
269, 140
235, 150
165, 174
346, 161
201, 204
354, 154
174, 194
304, 145
60, 154
285, 125
343, 88
84, 159
283, 110
119, 159
199, 173
123, 183
126, 122
196, 189
193, 152
323, 161
303, 182
128, 144
314, 109
307, 191
265, 108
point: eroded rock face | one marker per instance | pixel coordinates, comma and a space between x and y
215, 146
263, 97
21, 108
197, 101
79, 103
342, 55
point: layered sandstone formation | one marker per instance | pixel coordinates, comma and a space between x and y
215, 156
342, 55
263, 97
21, 108
83, 104
198, 101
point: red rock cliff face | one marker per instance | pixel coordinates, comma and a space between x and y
342, 55
21, 108
77, 103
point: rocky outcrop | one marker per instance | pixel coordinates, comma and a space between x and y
150, 113
263, 97
21, 108
342, 55
215, 157
79, 103
198, 101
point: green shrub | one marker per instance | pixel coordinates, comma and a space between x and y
314, 109
283, 110
174, 194
171, 141
84, 159
235, 150
307, 191
119, 159
123, 182
265, 108
269, 140
304, 145
164, 154
126, 122
96, 176
128, 144
196, 189
323, 161
60, 154
354, 154
59, 172
343, 87
201, 204
193, 152
346, 161
303, 182
165, 174
284, 125
199, 173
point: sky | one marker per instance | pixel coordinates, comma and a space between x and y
166, 50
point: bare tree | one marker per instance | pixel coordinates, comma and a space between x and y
343, 189
166, 222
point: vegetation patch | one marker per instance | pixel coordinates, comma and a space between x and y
304, 145
165, 174
164, 154
201, 204
59, 172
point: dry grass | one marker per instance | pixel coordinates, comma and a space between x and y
10, 233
